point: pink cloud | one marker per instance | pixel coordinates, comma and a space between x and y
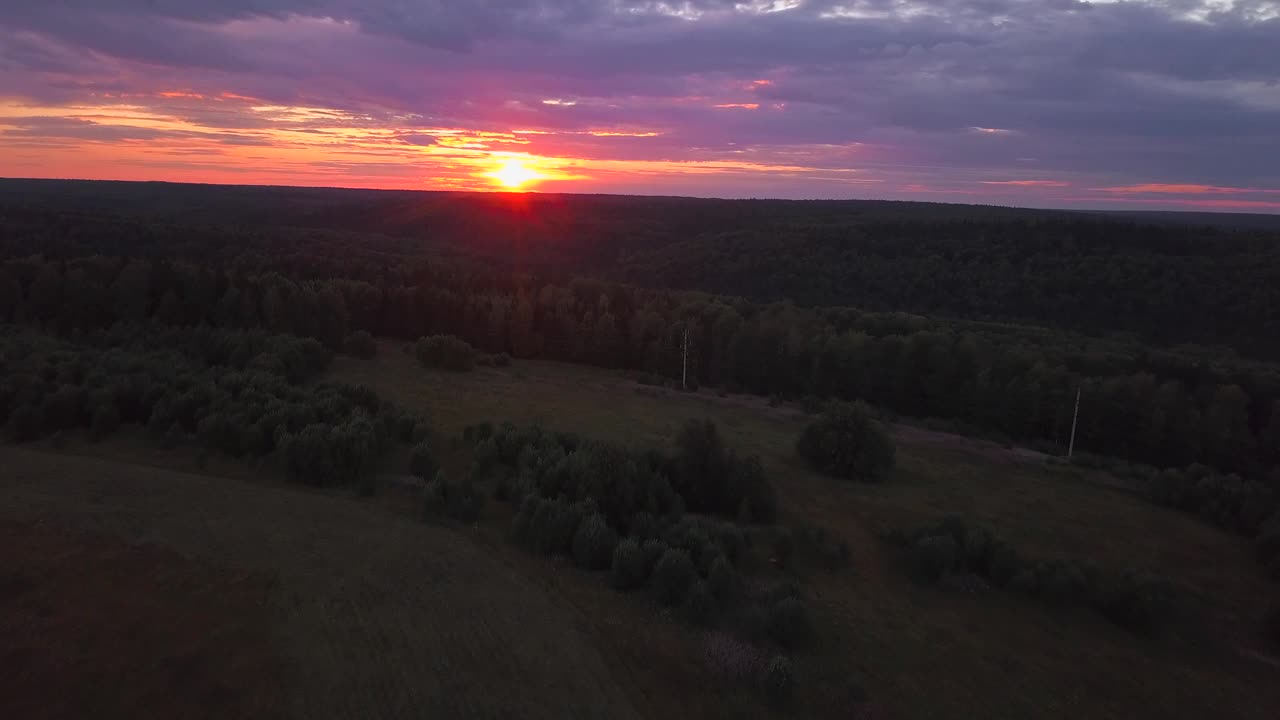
1185, 189
1028, 183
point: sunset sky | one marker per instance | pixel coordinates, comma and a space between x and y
1171, 104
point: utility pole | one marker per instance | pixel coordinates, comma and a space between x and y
684, 360
1071, 447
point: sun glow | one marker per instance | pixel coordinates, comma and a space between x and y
514, 174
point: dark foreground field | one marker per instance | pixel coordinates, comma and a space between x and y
191, 588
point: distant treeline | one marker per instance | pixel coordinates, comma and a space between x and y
236, 392
1163, 407
1166, 282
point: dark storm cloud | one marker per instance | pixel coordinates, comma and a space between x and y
1158, 90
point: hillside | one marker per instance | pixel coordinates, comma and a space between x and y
375, 612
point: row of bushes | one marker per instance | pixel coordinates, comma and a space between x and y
1245, 507
628, 514
700, 475
691, 564
323, 434
955, 546
1238, 505
625, 511
447, 352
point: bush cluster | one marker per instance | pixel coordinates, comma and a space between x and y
230, 391
422, 462
1271, 627
847, 443
1244, 506
713, 479
1228, 501
627, 568
360, 344
1133, 600
624, 511
779, 679
632, 489
494, 360
445, 352
812, 544
459, 501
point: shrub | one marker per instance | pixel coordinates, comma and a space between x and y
832, 552
422, 462
643, 525
783, 549
653, 550
594, 543
106, 419
673, 575
173, 437
1062, 582
433, 502
24, 424
1271, 627
712, 479
699, 604
627, 569
554, 526
789, 624
933, 556
779, 679
723, 580
522, 520
459, 501
846, 443
360, 344
1268, 541
1137, 602
444, 352
734, 659
463, 502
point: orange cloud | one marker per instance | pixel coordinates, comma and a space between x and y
621, 133
741, 106
1184, 189
1028, 183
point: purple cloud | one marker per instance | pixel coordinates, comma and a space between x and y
962, 95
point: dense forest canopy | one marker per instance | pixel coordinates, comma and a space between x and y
1151, 277
408, 265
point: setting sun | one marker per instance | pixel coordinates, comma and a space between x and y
514, 174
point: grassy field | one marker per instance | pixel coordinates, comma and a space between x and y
371, 614
919, 652
332, 606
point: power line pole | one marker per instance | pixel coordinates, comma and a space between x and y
1071, 447
684, 361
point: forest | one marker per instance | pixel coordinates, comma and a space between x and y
1164, 278
1167, 406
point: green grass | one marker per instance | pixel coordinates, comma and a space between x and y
377, 614
917, 651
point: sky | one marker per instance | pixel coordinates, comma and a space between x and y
1159, 104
